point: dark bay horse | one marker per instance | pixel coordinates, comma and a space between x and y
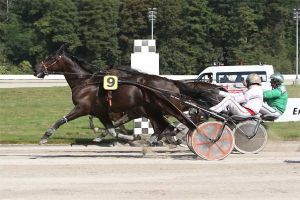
205, 93
209, 98
85, 96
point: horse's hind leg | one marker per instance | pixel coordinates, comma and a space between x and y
74, 114
104, 119
122, 120
111, 130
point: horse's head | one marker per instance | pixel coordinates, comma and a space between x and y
50, 64
47, 66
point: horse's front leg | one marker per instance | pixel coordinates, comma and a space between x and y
74, 114
91, 122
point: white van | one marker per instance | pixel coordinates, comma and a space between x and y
232, 77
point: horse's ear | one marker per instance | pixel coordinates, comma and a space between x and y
61, 50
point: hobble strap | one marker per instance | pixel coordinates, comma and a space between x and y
65, 119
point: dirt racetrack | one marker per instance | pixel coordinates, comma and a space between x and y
93, 172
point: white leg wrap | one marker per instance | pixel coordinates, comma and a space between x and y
112, 132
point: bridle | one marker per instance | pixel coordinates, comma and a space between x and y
50, 62
46, 66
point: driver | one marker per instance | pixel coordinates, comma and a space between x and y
276, 99
245, 104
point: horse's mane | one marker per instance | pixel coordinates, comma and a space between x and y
131, 71
84, 64
136, 72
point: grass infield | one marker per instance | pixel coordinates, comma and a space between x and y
26, 113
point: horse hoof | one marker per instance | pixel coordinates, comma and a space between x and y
153, 139
97, 139
43, 141
156, 144
137, 137
178, 142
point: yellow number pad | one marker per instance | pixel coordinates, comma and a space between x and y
110, 82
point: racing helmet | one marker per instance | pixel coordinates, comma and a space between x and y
277, 77
253, 79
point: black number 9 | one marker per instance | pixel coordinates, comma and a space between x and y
111, 82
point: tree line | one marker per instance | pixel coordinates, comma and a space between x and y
190, 34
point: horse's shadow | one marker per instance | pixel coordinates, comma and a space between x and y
139, 152
118, 155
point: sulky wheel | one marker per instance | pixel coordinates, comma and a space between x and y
246, 141
189, 141
203, 144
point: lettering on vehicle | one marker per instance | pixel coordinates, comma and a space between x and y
296, 111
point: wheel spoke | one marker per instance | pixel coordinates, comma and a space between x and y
208, 153
220, 148
205, 134
224, 138
200, 143
216, 131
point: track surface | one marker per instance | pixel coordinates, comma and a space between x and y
93, 172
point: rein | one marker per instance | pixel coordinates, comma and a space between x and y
73, 73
